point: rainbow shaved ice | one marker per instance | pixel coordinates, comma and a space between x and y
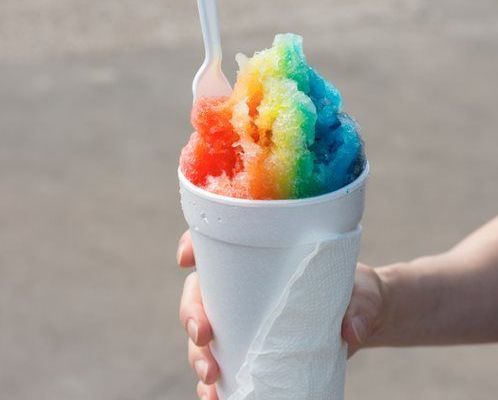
280, 135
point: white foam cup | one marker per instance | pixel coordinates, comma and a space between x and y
246, 252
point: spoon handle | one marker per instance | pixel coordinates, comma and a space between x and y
210, 29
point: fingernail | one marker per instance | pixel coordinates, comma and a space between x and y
193, 330
359, 328
179, 252
201, 369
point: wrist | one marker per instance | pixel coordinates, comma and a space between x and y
407, 299
387, 277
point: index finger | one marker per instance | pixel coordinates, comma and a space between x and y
185, 252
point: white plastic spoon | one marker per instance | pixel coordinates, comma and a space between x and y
209, 79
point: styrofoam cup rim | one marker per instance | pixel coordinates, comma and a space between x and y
232, 201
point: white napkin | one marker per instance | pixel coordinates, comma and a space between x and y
298, 353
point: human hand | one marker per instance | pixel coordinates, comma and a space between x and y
196, 324
362, 324
362, 321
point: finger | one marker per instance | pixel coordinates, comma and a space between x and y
192, 313
185, 252
353, 332
206, 392
203, 363
352, 351
362, 310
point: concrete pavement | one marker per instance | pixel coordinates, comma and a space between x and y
94, 104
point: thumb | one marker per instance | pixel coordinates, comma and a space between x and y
361, 314
356, 327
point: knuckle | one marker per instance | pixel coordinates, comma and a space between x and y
184, 311
193, 353
183, 314
369, 299
189, 281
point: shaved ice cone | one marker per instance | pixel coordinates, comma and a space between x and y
272, 186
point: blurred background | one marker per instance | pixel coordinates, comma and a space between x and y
94, 108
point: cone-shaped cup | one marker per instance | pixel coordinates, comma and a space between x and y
247, 250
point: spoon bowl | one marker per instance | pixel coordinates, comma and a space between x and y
209, 81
